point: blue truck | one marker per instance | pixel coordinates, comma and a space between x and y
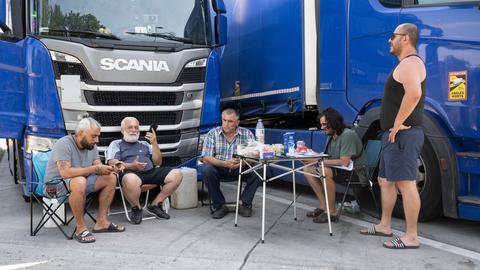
287, 59
62, 60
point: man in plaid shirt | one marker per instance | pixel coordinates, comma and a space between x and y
218, 149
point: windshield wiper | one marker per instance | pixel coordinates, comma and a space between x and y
168, 36
87, 33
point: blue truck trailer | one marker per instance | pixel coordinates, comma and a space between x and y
287, 59
62, 60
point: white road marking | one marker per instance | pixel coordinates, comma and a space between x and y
20, 266
424, 241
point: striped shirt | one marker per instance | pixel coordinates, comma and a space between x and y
216, 145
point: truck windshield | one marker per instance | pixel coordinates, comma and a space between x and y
121, 20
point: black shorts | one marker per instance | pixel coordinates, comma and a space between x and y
154, 176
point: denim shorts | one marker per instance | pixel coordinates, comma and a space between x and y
398, 160
91, 179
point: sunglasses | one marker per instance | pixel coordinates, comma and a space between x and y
392, 36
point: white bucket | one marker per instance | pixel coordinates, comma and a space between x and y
186, 195
60, 212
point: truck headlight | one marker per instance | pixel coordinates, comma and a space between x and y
197, 63
201, 139
39, 143
66, 64
63, 57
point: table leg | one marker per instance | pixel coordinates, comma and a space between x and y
238, 191
294, 193
324, 180
264, 180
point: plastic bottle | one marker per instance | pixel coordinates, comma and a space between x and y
355, 207
351, 207
260, 131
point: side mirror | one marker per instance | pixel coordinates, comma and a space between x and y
220, 30
219, 6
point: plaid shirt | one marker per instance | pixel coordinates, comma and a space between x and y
216, 145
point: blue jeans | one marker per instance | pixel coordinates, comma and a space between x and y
212, 176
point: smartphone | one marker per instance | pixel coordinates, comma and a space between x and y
152, 126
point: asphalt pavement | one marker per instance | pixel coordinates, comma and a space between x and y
191, 239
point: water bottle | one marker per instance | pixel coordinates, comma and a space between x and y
355, 207
260, 131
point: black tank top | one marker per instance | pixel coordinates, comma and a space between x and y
392, 98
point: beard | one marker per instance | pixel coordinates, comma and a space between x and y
131, 138
85, 145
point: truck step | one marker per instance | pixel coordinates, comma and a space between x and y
469, 199
469, 162
469, 154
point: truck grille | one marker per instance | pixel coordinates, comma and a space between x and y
145, 118
131, 98
171, 161
192, 75
170, 136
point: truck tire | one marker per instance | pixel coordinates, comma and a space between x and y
428, 186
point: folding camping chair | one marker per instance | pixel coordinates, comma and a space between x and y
50, 206
372, 151
144, 188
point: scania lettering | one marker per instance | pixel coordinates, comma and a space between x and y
61, 60
132, 64
336, 53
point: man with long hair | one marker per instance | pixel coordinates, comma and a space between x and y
343, 146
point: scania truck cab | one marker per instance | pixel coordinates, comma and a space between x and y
62, 60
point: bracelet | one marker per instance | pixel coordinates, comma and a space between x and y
97, 169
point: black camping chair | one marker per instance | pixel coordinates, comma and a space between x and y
372, 151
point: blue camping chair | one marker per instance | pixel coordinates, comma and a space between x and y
50, 205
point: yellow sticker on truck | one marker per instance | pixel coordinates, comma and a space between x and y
457, 85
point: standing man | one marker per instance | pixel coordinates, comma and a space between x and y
402, 141
344, 146
134, 159
218, 149
75, 159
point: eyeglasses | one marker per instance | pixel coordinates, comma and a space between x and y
392, 36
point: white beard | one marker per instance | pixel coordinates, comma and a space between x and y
131, 138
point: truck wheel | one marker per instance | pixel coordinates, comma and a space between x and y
428, 185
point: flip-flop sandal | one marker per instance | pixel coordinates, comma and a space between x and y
372, 231
83, 236
397, 243
315, 213
112, 228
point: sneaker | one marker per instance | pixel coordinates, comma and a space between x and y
323, 218
220, 212
136, 215
315, 213
158, 211
245, 210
